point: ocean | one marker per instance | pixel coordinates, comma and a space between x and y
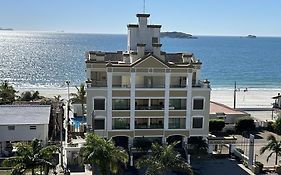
47, 60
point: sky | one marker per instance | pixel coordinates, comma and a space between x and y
197, 17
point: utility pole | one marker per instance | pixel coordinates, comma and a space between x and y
234, 100
143, 6
60, 117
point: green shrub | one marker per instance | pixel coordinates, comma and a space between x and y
245, 163
277, 125
245, 124
142, 143
270, 127
216, 125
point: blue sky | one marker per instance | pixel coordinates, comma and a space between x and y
198, 17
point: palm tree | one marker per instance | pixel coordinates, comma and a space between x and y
31, 156
272, 145
162, 160
7, 93
103, 154
79, 97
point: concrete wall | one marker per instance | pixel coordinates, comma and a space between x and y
23, 133
92, 93
201, 93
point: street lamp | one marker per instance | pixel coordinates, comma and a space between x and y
67, 118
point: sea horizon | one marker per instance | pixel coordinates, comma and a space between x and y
125, 34
48, 59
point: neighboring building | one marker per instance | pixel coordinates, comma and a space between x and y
221, 111
145, 92
23, 123
277, 103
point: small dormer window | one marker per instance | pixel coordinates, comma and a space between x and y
154, 40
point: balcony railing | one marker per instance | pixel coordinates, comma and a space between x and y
152, 126
177, 86
150, 86
99, 83
121, 86
121, 126
154, 107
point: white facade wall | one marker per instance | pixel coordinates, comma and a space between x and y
23, 133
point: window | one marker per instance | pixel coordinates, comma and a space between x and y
156, 123
177, 104
121, 123
198, 104
197, 123
98, 124
98, 76
176, 123
99, 104
32, 127
141, 123
11, 127
154, 40
121, 104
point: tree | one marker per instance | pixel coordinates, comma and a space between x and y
245, 124
277, 124
79, 97
103, 153
162, 160
272, 145
216, 125
26, 96
31, 156
7, 93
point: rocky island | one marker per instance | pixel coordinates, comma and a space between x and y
9, 29
177, 35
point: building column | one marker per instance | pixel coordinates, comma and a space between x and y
88, 73
197, 76
185, 141
164, 140
109, 101
188, 101
211, 148
132, 100
166, 102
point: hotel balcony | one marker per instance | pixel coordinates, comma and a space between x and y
121, 104
150, 82
121, 81
149, 123
178, 82
121, 123
177, 104
149, 104
95, 83
176, 123
276, 105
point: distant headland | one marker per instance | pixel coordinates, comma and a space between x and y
251, 36
177, 35
9, 29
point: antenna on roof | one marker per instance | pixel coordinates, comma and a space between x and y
143, 6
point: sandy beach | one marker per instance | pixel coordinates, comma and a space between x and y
244, 99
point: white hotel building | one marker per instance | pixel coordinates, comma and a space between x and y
145, 92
